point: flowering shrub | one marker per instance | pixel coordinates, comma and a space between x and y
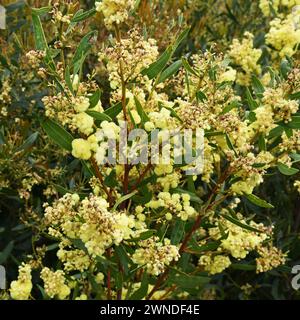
147, 155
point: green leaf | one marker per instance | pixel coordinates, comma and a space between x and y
230, 106
140, 110
79, 244
188, 67
87, 169
123, 257
295, 157
58, 134
201, 96
180, 38
111, 180
229, 143
144, 235
114, 110
140, 293
28, 142
68, 79
98, 115
295, 96
156, 67
52, 246
173, 112
293, 124
168, 72
284, 169
61, 190
276, 132
80, 16
40, 11
240, 224
243, 266
124, 198
258, 201
95, 98
285, 68
177, 232
6, 252
211, 246
82, 51
40, 40
4, 62
251, 102
257, 86
187, 281
262, 143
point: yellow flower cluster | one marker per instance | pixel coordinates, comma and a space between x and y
239, 241
90, 221
128, 57
114, 11
81, 149
289, 144
54, 283
270, 258
243, 54
97, 142
275, 103
214, 264
73, 259
265, 5
155, 255
174, 204
20, 289
284, 34
83, 122
244, 168
5, 97
297, 185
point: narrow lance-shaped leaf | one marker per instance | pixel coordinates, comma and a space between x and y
157, 67
95, 98
258, 201
188, 67
257, 86
240, 224
40, 39
98, 115
58, 134
40, 11
80, 16
189, 281
114, 110
168, 72
82, 51
28, 142
68, 79
124, 198
284, 169
143, 289
295, 96
140, 110
177, 232
251, 102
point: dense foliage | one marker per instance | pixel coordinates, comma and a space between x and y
75, 227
